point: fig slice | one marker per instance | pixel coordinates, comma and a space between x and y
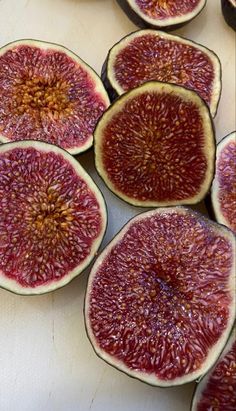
166, 14
160, 301
49, 94
53, 217
217, 390
229, 12
223, 191
154, 55
155, 146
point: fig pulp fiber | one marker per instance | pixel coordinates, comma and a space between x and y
168, 14
155, 55
217, 390
160, 301
223, 191
155, 146
165, 9
48, 94
53, 217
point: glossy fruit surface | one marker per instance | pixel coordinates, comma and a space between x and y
48, 94
53, 217
155, 146
155, 55
223, 191
167, 14
160, 300
217, 390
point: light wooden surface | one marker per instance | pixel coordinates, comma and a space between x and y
46, 361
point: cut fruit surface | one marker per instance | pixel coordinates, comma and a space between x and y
168, 14
160, 300
223, 191
154, 55
217, 390
155, 146
53, 217
49, 94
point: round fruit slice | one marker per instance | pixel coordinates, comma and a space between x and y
155, 146
53, 217
154, 55
229, 12
49, 94
217, 390
160, 301
223, 192
168, 14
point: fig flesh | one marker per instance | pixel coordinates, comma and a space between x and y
154, 55
155, 146
217, 390
53, 217
166, 14
223, 191
48, 94
160, 301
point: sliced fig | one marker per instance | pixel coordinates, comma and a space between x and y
160, 300
155, 146
53, 217
168, 14
49, 94
229, 12
217, 390
223, 191
154, 55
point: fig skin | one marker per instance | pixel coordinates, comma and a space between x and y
212, 200
114, 94
47, 213
229, 13
104, 259
142, 23
98, 138
39, 100
203, 382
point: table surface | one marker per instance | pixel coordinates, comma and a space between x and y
46, 360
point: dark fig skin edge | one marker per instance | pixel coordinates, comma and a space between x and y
168, 205
209, 206
93, 258
203, 217
229, 13
112, 92
140, 22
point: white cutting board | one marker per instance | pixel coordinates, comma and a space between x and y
46, 361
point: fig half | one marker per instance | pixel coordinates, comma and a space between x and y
223, 191
53, 217
155, 146
160, 301
49, 94
217, 390
155, 55
166, 14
